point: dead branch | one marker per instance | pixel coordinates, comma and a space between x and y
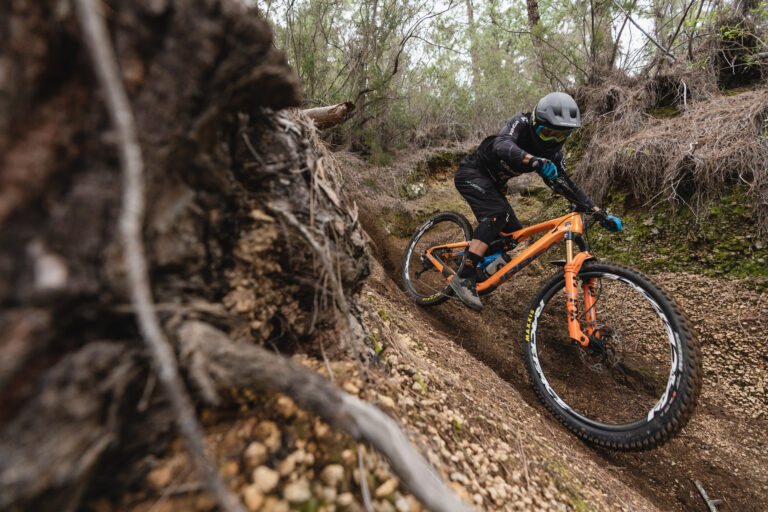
646, 34
227, 364
711, 504
105, 65
325, 117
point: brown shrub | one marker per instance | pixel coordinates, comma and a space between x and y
688, 158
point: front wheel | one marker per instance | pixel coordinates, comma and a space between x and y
636, 388
421, 279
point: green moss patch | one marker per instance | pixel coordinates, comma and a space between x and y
663, 112
439, 167
721, 242
401, 223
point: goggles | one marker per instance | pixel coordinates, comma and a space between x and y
552, 134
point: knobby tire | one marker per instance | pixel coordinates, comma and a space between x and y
555, 375
441, 228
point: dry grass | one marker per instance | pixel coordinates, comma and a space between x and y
708, 144
676, 137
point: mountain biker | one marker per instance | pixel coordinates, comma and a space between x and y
528, 142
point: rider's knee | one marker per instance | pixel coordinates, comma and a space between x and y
488, 228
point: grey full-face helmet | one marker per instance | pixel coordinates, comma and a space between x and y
554, 118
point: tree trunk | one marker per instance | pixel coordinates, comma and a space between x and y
473, 44
77, 413
533, 12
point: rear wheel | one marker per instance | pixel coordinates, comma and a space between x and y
638, 386
421, 279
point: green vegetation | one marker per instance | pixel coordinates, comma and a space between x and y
377, 347
663, 112
402, 224
567, 485
372, 183
439, 166
421, 384
723, 243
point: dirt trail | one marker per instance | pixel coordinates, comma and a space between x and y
723, 446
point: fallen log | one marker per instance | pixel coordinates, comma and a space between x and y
325, 117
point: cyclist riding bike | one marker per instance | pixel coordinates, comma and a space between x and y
529, 142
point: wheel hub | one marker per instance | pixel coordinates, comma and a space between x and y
604, 351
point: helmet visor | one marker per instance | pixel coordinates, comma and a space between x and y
552, 134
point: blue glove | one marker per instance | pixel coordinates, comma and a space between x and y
609, 222
545, 168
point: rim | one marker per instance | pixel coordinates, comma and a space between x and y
663, 403
430, 283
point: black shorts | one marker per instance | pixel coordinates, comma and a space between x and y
491, 208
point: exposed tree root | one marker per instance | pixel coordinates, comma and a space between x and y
219, 364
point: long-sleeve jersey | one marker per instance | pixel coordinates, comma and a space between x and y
501, 157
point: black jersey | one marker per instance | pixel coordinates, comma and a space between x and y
501, 156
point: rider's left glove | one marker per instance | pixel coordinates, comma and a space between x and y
545, 168
609, 222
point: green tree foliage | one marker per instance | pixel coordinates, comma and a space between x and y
428, 71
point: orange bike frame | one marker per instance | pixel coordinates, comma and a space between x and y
556, 230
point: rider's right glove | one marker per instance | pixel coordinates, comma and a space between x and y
545, 168
609, 222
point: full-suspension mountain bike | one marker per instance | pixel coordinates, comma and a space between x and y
606, 350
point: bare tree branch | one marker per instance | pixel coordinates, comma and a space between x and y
671, 41
553, 47
616, 44
643, 31
131, 219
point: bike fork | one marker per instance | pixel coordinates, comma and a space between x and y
572, 266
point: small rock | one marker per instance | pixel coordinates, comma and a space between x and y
297, 492
401, 504
265, 478
386, 402
348, 456
329, 494
332, 474
268, 432
160, 477
255, 454
383, 506
345, 499
273, 504
287, 466
321, 430
459, 477
286, 407
205, 503
351, 388
386, 488
413, 504
253, 497
231, 469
